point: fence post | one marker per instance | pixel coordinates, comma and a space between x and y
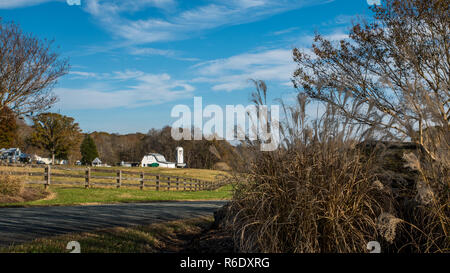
119, 178
88, 178
184, 184
48, 174
142, 180
178, 183
157, 182
168, 183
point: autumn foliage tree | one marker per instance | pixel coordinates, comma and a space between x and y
58, 134
8, 128
392, 74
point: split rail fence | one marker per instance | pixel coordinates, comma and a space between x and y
96, 177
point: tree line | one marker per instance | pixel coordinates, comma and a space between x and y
59, 137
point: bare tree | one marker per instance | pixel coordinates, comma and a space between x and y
393, 73
29, 68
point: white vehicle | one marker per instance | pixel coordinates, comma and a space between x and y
41, 160
153, 158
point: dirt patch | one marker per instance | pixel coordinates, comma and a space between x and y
198, 235
214, 237
211, 241
28, 194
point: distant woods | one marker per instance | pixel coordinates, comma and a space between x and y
114, 148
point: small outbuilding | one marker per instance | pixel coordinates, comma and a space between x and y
97, 162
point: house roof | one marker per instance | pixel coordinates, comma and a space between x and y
97, 160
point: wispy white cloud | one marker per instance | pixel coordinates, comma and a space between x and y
284, 31
233, 73
141, 89
181, 24
276, 65
10, 4
75, 75
146, 51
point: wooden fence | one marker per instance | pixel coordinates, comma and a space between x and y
95, 177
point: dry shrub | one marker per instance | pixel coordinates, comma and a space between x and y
314, 199
332, 197
10, 185
322, 193
427, 208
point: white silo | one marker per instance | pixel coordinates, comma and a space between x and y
180, 157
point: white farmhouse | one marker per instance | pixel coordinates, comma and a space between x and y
97, 162
150, 159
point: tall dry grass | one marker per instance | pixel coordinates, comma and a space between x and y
10, 185
325, 192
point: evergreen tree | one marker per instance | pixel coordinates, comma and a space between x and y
88, 150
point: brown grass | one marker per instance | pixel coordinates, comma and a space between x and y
11, 185
322, 193
309, 200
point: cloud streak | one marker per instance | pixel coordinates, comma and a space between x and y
11, 4
233, 73
142, 89
176, 24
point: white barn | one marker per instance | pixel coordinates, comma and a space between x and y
149, 159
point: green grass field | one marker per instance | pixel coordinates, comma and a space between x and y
170, 236
65, 194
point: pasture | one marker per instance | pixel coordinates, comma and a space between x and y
83, 186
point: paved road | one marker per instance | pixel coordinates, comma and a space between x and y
19, 225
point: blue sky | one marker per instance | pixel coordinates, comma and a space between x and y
133, 60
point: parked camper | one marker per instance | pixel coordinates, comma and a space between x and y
11, 155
